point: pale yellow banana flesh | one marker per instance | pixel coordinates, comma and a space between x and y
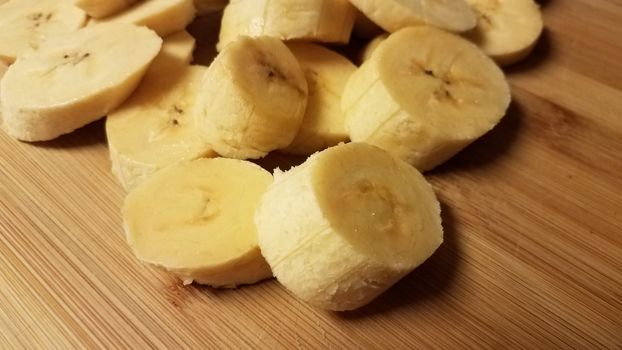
309, 20
203, 227
176, 51
506, 30
362, 220
371, 46
253, 98
163, 16
393, 15
323, 124
206, 7
26, 24
154, 128
105, 8
74, 79
424, 95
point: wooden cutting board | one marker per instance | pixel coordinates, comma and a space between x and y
532, 215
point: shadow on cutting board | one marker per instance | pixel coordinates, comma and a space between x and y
89, 135
432, 280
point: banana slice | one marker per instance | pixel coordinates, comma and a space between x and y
74, 79
176, 51
105, 8
323, 124
162, 16
205, 7
314, 20
371, 46
362, 220
253, 98
424, 95
26, 24
154, 129
393, 15
507, 31
196, 220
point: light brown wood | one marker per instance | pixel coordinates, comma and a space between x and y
532, 213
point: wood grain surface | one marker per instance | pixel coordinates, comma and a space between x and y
532, 214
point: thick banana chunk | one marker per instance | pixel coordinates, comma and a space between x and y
323, 124
314, 20
393, 15
176, 52
424, 95
74, 79
506, 30
196, 220
162, 16
253, 98
104, 8
26, 24
205, 7
154, 129
347, 224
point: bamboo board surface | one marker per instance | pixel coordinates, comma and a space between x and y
532, 255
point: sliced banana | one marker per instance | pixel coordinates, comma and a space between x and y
162, 16
74, 79
506, 30
154, 129
205, 7
196, 220
104, 8
362, 220
314, 20
393, 15
371, 46
323, 124
176, 51
26, 24
253, 98
424, 95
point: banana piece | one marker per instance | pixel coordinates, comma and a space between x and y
371, 46
253, 98
507, 31
104, 8
362, 220
323, 124
176, 52
153, 129
162, 16
3, 67
26, 24
393, 15
196, 220
310, 20
74, 79
424, 95
205, 7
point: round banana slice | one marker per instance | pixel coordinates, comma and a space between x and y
25, 24
424, 95
154, 128
314, 20
253, 98
101, 9
323, 124
196, 220
162, 16
362, 220
74, 79
507, 31
393, 15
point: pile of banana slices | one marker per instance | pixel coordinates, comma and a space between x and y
340, 228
